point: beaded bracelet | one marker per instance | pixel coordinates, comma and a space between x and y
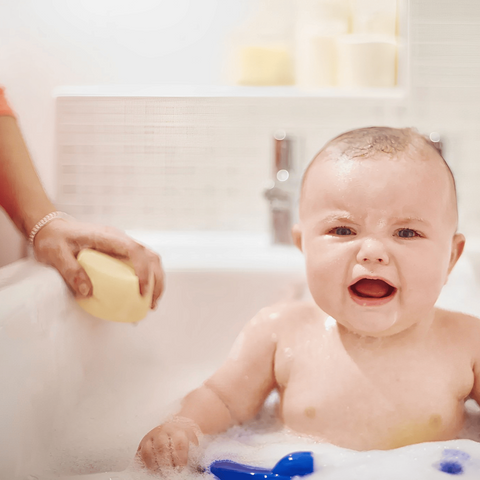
46, 219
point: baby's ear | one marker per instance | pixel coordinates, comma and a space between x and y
297, 236
458, 244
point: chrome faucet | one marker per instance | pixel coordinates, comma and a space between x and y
281, 192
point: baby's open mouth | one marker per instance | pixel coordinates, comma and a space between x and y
370, 288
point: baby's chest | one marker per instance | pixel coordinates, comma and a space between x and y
348, 386
319, 364
328, 390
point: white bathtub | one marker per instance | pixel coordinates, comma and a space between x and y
79, 393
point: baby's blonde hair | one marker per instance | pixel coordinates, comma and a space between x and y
366, 142
371, 140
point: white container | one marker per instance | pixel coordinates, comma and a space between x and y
367, 61
316, 57
318, 24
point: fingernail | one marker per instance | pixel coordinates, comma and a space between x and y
83, 289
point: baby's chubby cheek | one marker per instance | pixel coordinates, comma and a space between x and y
422, 276
326, 277
420, 294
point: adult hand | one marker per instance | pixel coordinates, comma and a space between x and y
59, 242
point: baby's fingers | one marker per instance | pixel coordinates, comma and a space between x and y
180, 446
162, 450
192, 435
146, 455
155, 452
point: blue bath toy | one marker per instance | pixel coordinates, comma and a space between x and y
291, 465
452, 461
452, 467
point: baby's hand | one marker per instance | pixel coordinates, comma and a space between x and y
167, 445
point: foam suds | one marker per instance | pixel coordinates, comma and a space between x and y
264, 441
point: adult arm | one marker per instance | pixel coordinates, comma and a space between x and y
59, 242
21, 193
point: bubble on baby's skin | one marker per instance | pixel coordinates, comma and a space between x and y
330, 323
288, 352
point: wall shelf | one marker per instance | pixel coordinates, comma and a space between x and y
225, 91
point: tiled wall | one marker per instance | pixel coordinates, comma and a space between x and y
202, 163
445, 91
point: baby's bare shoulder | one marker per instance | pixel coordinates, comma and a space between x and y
289, 313
458, 325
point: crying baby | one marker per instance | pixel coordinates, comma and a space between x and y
370, 363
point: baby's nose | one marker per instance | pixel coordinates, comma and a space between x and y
372, 251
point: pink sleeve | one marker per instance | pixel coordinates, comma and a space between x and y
4, 107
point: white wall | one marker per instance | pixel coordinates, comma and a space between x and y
48, 43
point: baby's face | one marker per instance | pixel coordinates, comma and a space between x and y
379, 239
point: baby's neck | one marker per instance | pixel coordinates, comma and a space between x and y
413, 334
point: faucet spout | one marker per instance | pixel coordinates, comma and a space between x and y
280, 194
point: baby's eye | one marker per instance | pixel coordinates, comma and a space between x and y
341, 231
407, 233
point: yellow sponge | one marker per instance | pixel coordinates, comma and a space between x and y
116, 295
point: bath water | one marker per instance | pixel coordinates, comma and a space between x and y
264, 441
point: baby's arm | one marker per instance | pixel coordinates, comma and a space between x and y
467, 329
232, 395
474, 340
